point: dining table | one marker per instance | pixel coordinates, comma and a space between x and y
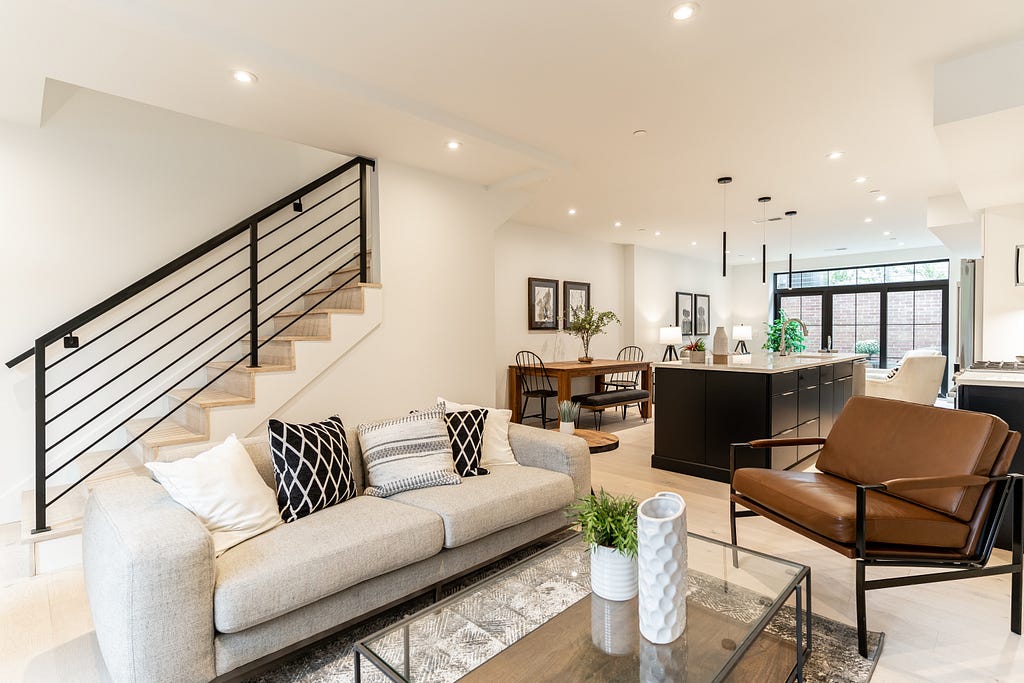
566, 370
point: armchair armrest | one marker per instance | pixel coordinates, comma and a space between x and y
916, 483
795, 441
554, 451
149, 574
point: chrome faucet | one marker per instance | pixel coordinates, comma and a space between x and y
783, 351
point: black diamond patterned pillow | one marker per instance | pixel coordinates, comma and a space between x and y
311, 466
466, 431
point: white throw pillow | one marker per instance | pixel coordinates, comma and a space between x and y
496, 449
224, 490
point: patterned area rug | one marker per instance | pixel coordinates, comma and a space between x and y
833, 659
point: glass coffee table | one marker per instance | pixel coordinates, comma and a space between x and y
537, 621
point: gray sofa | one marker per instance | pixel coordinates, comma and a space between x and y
166, 610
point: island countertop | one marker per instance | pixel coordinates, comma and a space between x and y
766, 363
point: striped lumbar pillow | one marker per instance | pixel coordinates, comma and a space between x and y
411, 452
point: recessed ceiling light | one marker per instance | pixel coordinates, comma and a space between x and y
868, 220
693, 244
887, 233
835, 155
618, 224
572, 212
244, 76
454, 144
685, 11
880, 198
657, 233
860, 179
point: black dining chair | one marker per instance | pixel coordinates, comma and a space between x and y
535, 383
626, 380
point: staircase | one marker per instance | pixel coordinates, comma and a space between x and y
312, 315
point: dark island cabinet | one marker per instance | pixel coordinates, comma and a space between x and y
702, 411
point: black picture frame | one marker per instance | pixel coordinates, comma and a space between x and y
542, 303
570, 293
684, 312
701, 315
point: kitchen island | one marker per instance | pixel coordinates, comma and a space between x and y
702, 408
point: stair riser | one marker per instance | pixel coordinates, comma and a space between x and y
339, 279
189, 416
273, 352
346, 298
236, 382
310, 325
143, 452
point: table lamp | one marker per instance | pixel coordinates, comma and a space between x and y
671, 337
741, 333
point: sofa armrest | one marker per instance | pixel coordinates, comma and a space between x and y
554, 451
149, 574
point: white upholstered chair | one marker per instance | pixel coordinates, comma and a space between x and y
917, 379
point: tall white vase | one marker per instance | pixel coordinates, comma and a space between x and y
661, 562
720, 343
612, 574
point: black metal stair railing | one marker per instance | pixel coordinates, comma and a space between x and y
256, 281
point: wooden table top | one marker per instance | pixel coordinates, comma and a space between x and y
599, 442
598, 366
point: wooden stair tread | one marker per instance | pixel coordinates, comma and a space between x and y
166, 433
318, 311
123, 464
242, 367
210, 397
63, 517
290, 338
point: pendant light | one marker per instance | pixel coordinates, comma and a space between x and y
764, 238
723, 181
791, 214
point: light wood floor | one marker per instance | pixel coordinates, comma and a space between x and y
952, 632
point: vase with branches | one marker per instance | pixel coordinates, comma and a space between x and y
586, 323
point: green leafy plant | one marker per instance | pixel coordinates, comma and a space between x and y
587, 323
568, 411
697, 345
868, 346
607, 520
795, 340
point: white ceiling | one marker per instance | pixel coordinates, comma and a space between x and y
545, 95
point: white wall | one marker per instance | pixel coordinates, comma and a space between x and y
437, 239
105, 192
658, 275
523, 251
1003, 309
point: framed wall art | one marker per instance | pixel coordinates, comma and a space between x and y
701, 315
542, 303
575, 295
684, 312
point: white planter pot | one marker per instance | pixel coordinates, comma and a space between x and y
567, 427
661, 533
612, 574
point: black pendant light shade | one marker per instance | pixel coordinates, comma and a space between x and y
723, 181
764, 238
791, 214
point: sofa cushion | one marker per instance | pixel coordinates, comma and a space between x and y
875, 440
466, 432
299, 563
827, 505
483, 505
410, 452
311, 466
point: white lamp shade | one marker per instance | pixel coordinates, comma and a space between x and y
670, 335
742, 332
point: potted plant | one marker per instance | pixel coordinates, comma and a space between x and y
608, 524
586, 323
568, 411
698, 352
868, 346
795, 340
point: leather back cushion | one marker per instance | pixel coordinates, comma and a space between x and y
876, 439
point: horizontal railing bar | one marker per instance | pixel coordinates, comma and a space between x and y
144, 382
308, 209
310, 248
127, 344
145, 431
146, 308
303, 273
195, 253
303, 314
310, 229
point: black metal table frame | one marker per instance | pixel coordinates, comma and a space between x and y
800, 585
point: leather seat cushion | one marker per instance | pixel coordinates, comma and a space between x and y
875, 440
827, 505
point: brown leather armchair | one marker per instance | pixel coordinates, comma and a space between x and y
899, 484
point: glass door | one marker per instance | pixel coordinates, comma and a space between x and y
915, 320
857, 324
806, 307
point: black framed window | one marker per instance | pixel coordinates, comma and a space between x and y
882, 310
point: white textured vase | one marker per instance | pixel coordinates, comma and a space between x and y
661, 561
720, 344
567, 427
613, 626
612, 574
